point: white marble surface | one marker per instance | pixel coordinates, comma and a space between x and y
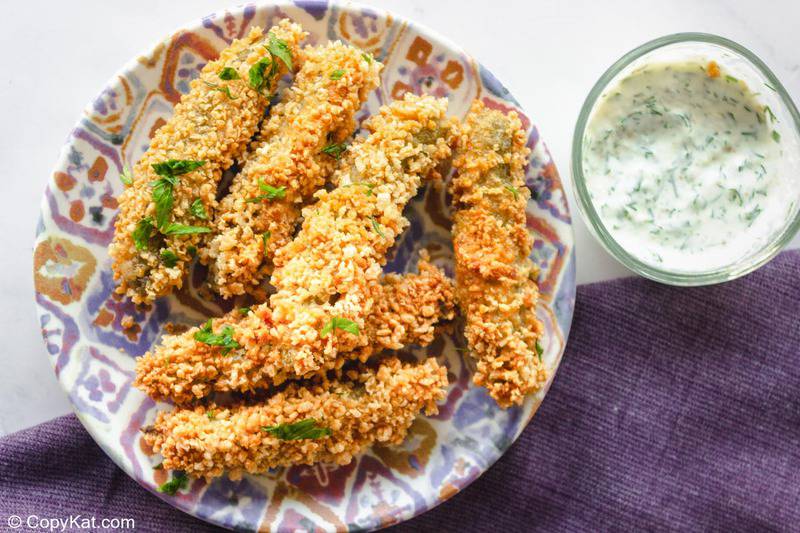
548, 53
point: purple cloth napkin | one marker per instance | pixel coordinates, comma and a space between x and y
672, 409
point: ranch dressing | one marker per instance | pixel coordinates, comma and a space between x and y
680, 163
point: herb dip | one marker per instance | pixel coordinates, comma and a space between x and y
680, 162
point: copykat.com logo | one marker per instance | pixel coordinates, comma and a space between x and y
69, 523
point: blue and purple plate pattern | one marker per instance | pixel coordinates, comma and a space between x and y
93, 353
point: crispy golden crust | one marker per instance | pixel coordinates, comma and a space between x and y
319, 109
207, 126
331, 268
360, 408
495, 288
406, 311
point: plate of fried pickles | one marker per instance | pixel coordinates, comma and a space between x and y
305, 266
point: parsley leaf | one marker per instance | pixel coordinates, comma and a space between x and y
228, 73
339, 323
305, 429
164, 199
223, 339
142, 233
163, 187
337, 74
278, 48
256, 74
182, 229
224, 89
169, 258
245, 310
367, 58
192, 250
271, 193
334, 150
198, 209
176, 167
776, 136
513, 191
265, 237
126, 177
178, 482
376, 226
210, 414
539, 350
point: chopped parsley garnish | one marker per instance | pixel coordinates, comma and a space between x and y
164, 199
198, 209
223, 339
337, 74
224, 89
265, 237
228, 73
376, 226
339, 323
176, 167
278, 48
513, 190
169, 258
159, 466
210, 414
305, 429
731, 79
334, 150
776, 136
126, 177
163, 188
270, 192
192, 250
142, 233
174, 228
539, 350
256, 74
245, 310
178, 482
367, 58
264, 71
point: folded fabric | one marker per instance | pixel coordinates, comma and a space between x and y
673, 408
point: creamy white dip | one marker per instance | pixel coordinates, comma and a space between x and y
680, 163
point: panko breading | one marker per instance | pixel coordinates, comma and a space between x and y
358, 409
495, 286
327, 274
406, 311
318, 111
212, 123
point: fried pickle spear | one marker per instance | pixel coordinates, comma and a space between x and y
406, 311
495, 286
299, 147
164, 213
325, 277
319, 421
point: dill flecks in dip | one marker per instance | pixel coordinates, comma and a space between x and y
680, 163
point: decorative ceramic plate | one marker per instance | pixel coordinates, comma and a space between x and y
93, 355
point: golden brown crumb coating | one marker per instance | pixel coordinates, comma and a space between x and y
406, 311
495, 289
361, 407
212, 123
318, 111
